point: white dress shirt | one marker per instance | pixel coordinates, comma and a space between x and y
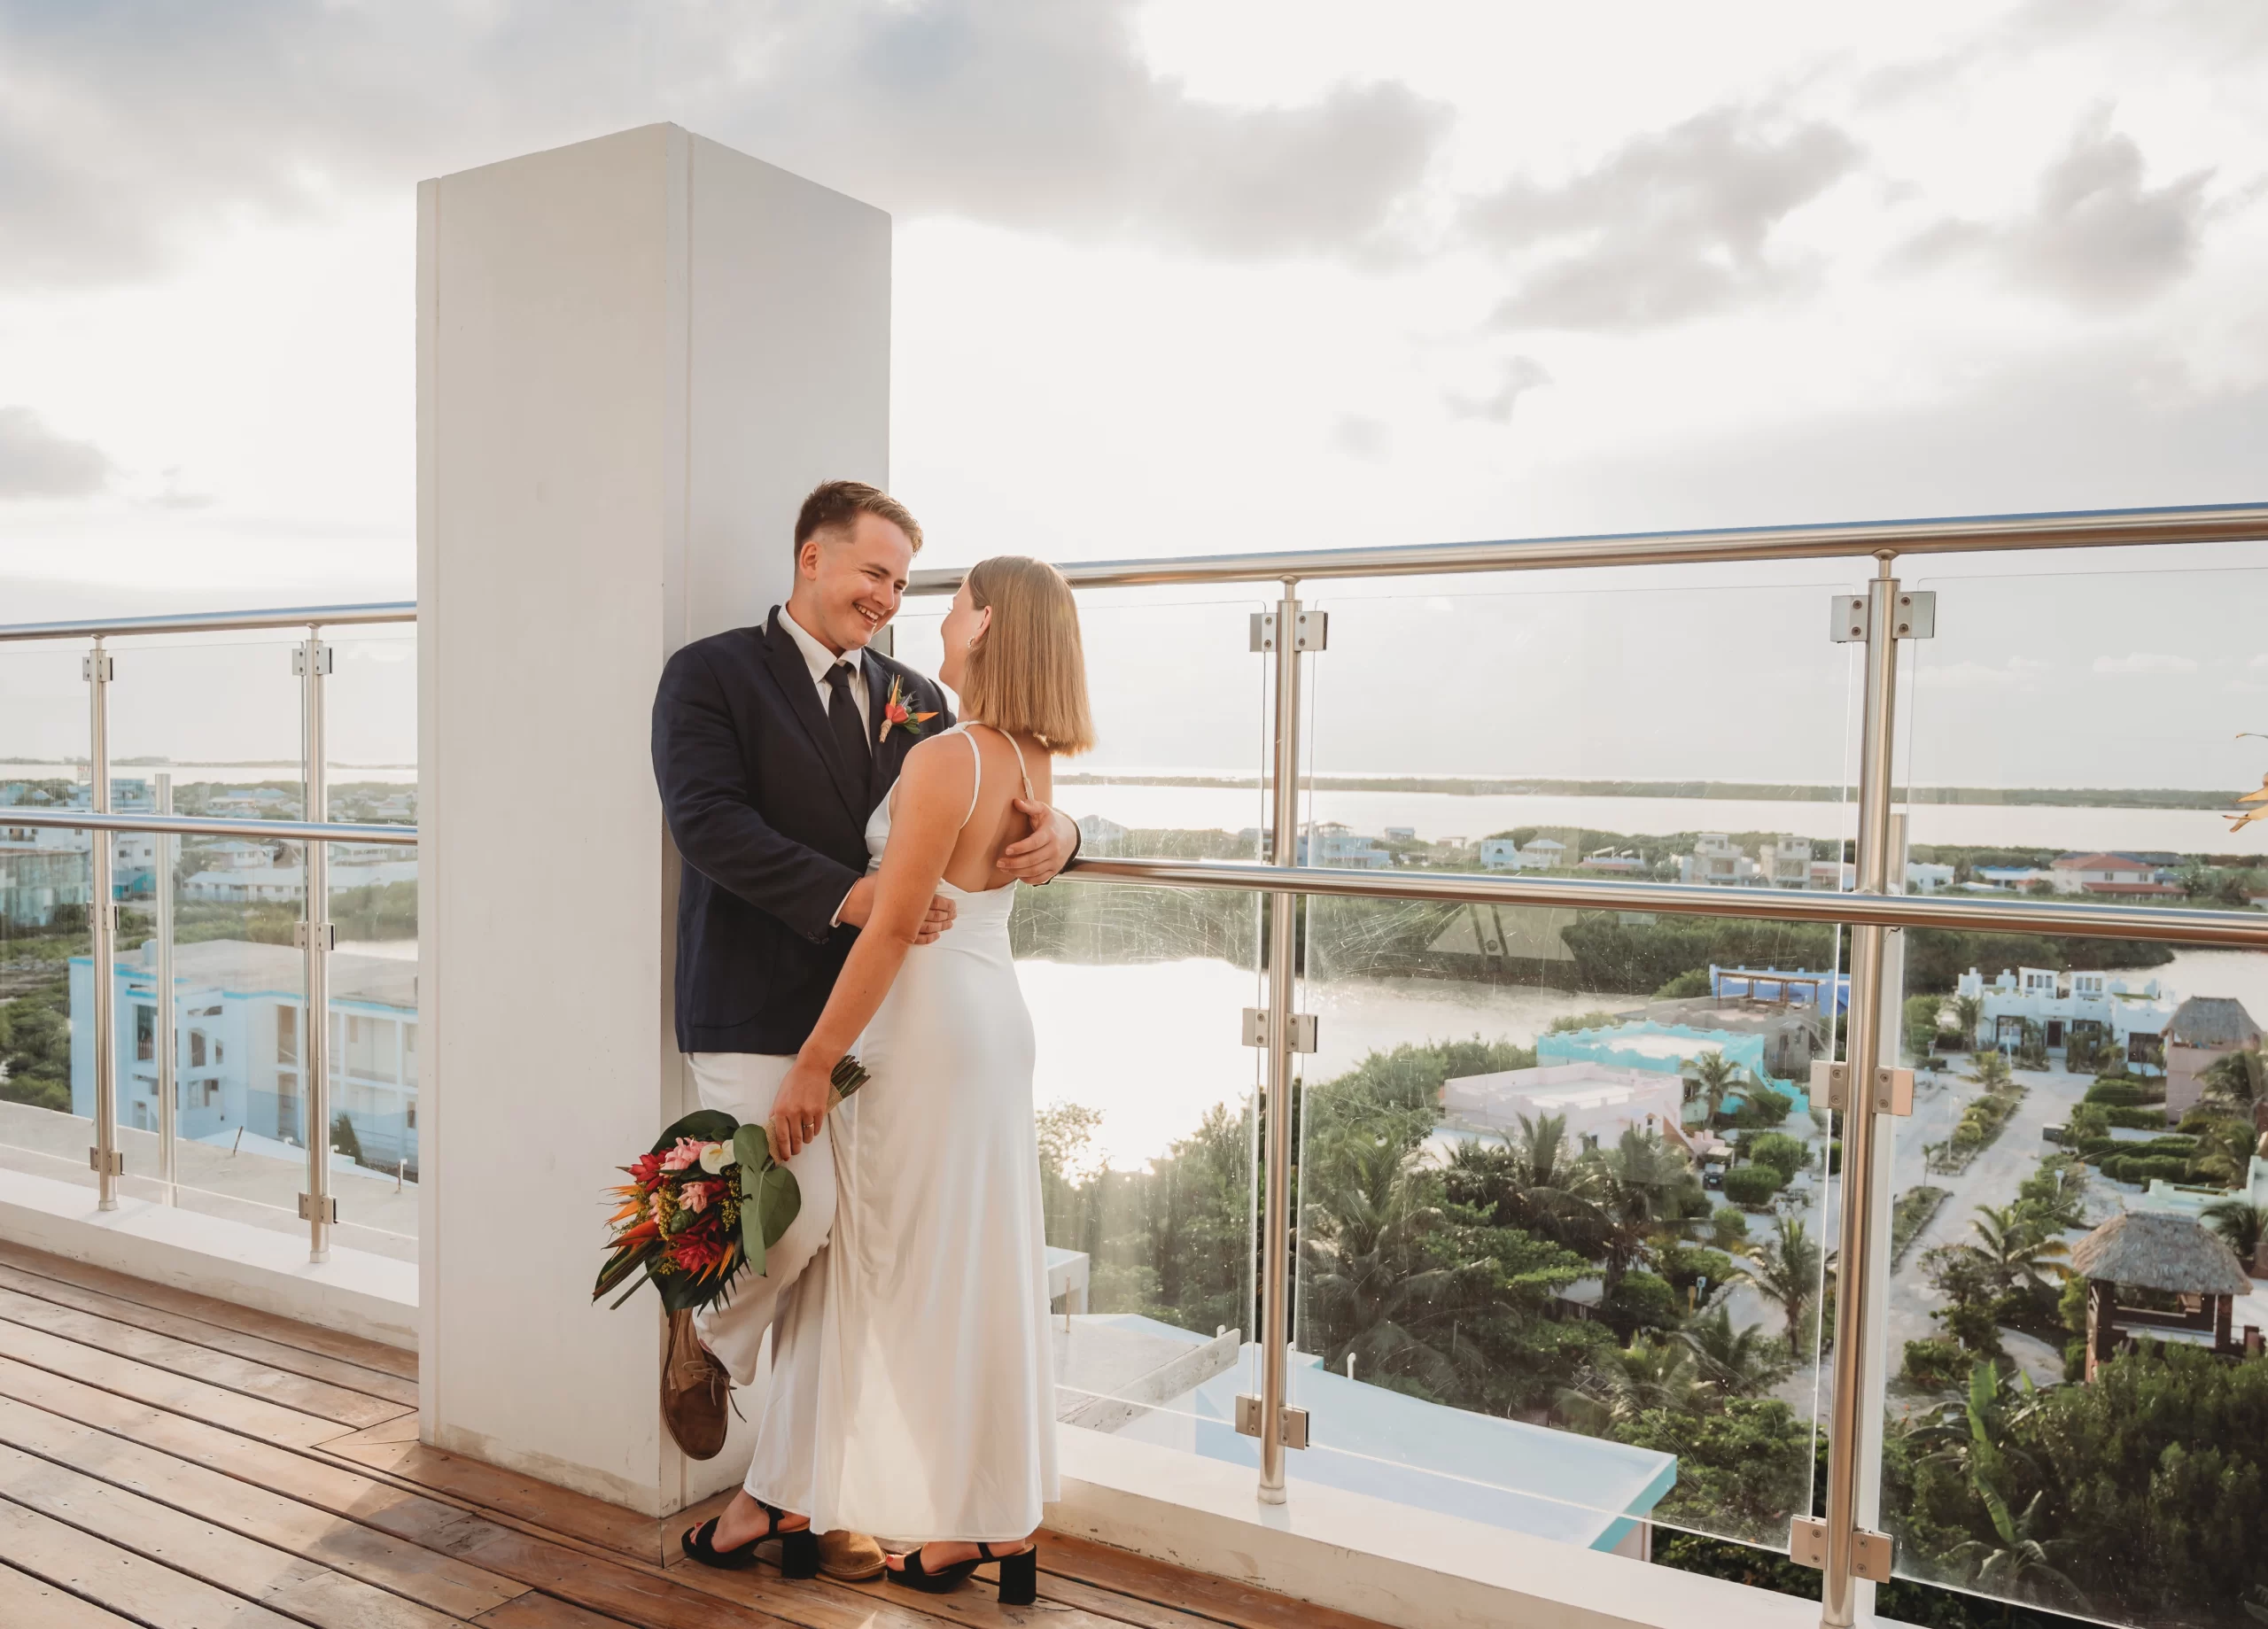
820, 659
821, 662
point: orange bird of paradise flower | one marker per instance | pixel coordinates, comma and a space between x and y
897, 715
2258, 800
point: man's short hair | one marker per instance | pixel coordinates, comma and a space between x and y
836, 505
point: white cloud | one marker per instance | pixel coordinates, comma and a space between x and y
2145, 661
1672, 225
37, 461
2094, 236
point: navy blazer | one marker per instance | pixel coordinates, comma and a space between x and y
772, 823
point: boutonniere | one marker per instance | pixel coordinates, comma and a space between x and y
896, 715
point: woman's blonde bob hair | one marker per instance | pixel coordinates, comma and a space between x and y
1027, 673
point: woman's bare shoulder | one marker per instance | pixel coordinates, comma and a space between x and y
938, 761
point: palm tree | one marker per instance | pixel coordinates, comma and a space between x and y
2243, 1223
1970, 1012
1740, 1362
1642, 1186
1786, 1272
1654, 1371
1716, 1075
2223, 1152
2239, 1081
1371, 1282
1990, 1070
1535, 1184
2019, 1564
2015, 1248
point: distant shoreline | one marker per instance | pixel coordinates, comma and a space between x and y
151, 763
1461, 785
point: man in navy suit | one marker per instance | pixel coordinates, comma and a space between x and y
771, 752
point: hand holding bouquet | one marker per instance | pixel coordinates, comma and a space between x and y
707, 1200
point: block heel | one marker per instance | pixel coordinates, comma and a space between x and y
1019, 1578
799, 1555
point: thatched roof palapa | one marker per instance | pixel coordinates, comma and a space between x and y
2148, 1250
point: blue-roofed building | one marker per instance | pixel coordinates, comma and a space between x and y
1794, 986
239, 1033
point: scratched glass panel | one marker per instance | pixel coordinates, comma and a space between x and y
1565, 1205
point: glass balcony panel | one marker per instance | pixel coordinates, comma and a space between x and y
46, 879
371, 758
2085, 734
1549, 1278
1664, 725
2074, 1316
219, 713
1145, 1095
238, 992
1181, 730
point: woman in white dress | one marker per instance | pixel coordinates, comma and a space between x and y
935, 1418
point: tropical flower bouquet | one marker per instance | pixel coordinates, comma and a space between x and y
705, 1202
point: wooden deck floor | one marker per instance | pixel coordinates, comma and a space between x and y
181, 1463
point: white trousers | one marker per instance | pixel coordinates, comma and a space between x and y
794, 1285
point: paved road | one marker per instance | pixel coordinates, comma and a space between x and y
1991, 1178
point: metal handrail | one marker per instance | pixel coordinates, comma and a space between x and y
2078, 528
2230, 929
216, 622
2081, 529
211, 826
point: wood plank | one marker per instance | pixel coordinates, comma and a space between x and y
535, 1611
822, 1604
262, 1465
352, 1409
508, 1493
269, 1422
27, 1600
1161, 1584
334, 1541
289, 1331
259, 1348
615, 1587
121, 1581
256, 1572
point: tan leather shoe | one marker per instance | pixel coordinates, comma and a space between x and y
852, 1557
694, 1390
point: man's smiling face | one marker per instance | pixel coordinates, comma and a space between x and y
849, 581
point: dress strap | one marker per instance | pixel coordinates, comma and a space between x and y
976, 754
1021, 769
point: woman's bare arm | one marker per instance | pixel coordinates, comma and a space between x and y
926, 817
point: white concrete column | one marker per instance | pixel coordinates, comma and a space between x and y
634, 356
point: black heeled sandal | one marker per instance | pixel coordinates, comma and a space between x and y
1019, 1574
798, 1550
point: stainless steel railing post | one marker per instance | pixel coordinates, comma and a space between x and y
161, 982
102, 925
317, 1208
1275, 1201
1860, 1119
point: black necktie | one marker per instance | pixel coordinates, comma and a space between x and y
843, 714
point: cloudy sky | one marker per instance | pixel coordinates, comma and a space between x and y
1200, 275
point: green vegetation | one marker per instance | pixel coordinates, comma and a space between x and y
1909, 1214
1751, 1186
2137, 1498
1445, 1280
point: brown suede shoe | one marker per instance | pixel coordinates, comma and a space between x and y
852, 1557
694, 1389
